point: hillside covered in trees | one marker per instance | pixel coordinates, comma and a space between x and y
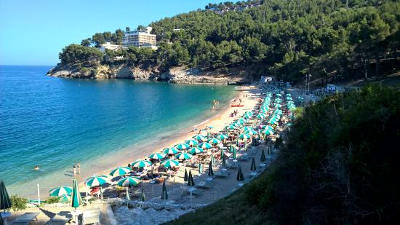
330, 39
339, 166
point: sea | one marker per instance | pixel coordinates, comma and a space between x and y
55, 123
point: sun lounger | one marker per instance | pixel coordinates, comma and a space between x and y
91, 217
58, 220
26, 218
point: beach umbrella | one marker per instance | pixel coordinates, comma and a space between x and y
190, 179
157, 156
205, 145
214, 141
210, 169
251, 132
253, 164
262, 158
244, 136
192, 142
95, 181
76, 196
5, 202
261, 116
182, 146
200, 137
185, 178
268, 131
222, 136
171, 151
239, 175
141, 163
248, 114
169, 163
183, 156
231, 127
231, 148
222, 154
60, 191
234, 153
129, 182
164, 194
195, 150
200, 168
120, 171
223, 161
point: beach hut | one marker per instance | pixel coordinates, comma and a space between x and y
141, 163
60, 191
120, 171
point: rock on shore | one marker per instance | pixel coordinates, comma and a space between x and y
178, 75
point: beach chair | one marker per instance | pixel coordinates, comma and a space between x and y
91, 217
25, 219
58, 220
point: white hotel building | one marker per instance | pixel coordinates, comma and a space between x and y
140, 39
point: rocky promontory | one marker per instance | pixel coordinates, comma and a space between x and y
178, 75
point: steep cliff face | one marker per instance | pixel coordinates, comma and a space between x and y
179, 75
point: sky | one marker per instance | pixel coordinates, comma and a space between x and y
33, 32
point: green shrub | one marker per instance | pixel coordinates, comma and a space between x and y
52, 200
18, 203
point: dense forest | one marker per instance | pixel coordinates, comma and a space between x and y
330, 39
338, 166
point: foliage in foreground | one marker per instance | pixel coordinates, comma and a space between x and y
340, 166
18, 203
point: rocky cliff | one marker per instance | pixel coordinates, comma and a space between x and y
179, 75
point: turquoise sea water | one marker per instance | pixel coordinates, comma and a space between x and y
56, 122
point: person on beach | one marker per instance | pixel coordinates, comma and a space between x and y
36, 167
78, 167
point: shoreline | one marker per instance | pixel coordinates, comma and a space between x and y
101, 165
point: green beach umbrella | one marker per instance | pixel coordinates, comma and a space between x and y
76, 196
170, 163
182, 146
185, 178
95, 181
231, 127
183, 156
239, 175
142, 195
253, 164
200, 137
210, 169
195, 150
244, 136
222, 154
234, 153
251, 132
262, 158
192, 142
171, 151
205, 145
214, 141
190, 179
120, 171
60, 191
129, 182
5, 202
223, 161
231, 148
261, 116
164, 193
157, 156
141, 163
222, 136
